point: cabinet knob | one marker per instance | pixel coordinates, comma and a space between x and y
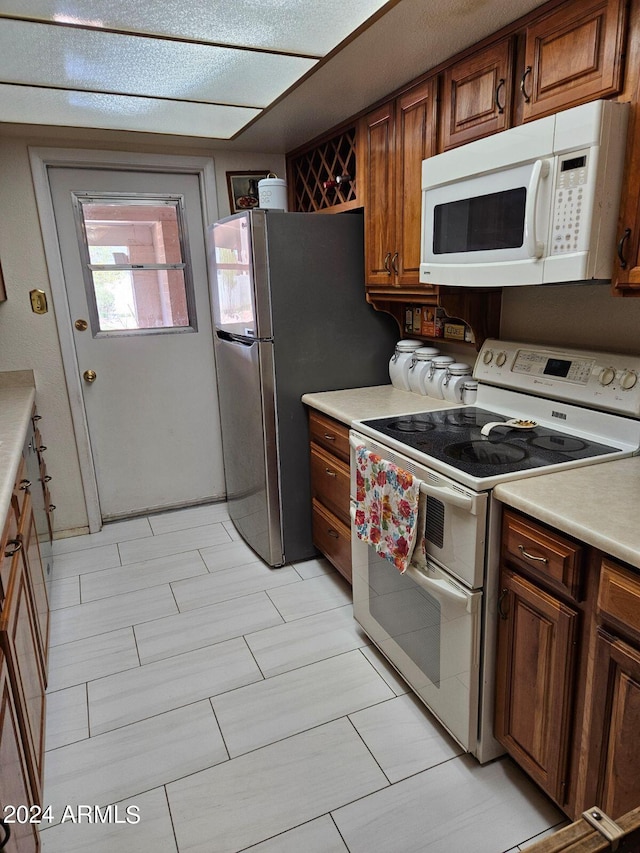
18, 547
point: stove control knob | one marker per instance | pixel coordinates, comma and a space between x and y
488, 356
501, 358
628, 380
607, 376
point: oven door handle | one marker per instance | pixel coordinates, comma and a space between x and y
440, 588
448, 495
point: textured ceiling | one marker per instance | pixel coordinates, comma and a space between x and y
262, 75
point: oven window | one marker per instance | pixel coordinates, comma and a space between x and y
409, 615
481, 223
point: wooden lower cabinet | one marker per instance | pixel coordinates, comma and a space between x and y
15, 787
568, 668
612, 774
24, 628
329, 450
536, 659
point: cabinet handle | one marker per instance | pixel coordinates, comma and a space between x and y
623, 240
333, 533
329, 437
7, 834
42, 448
501, 598
526, 97
330, 473
394, 263
36, 418
47, 479
500, 85
18, 547
387, 259
52, 507
528, 556
24, 485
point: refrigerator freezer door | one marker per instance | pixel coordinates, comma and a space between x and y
239, 276
250, 442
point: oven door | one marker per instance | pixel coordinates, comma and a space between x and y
428, 626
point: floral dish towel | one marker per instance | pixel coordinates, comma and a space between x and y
387, 501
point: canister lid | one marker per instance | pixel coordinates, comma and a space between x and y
470, 384
442, 361
425, 353
408, 345
459, 369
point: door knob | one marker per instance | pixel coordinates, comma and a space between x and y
89, 376
81, 325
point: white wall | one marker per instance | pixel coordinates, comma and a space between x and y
30, 341
584, 316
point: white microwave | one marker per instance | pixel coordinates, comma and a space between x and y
536, 204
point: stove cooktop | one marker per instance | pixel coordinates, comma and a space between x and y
453, 437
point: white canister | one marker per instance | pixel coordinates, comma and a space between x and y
401, 362
453, 381
272, 193
420, 361
469, 391
436, 373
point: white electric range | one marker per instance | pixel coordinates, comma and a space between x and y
538, 410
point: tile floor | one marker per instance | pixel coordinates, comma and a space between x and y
240, 707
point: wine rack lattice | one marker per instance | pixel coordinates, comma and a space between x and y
325, 162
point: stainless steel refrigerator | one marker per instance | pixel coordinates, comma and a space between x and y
290, 317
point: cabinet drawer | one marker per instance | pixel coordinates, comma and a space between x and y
333, 538
330, 434
619, 595
549, 555
330, 482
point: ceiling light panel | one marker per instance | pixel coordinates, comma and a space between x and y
108, 62
308, 27
26, 105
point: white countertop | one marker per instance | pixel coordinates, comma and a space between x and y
597, 504
17, 394
378, 401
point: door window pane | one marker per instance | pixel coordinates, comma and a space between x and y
136, 269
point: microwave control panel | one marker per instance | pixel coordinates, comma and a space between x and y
570, 201
607, 381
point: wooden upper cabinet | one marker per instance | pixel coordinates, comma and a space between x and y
377, 136
396, 138
415, 141
477, 95
572, 55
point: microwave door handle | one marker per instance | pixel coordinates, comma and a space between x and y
539, 172
447, 495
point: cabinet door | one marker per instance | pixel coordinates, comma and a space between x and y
415, 140
377, 136
477, 95
612, 780
573, 55
35, 573
15, 789
20, 643
626, 269
535, 664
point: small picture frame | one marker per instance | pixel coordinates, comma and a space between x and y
243, 189
3, 292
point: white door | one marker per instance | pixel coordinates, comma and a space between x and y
135, 270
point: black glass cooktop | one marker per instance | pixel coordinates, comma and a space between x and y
454, 437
